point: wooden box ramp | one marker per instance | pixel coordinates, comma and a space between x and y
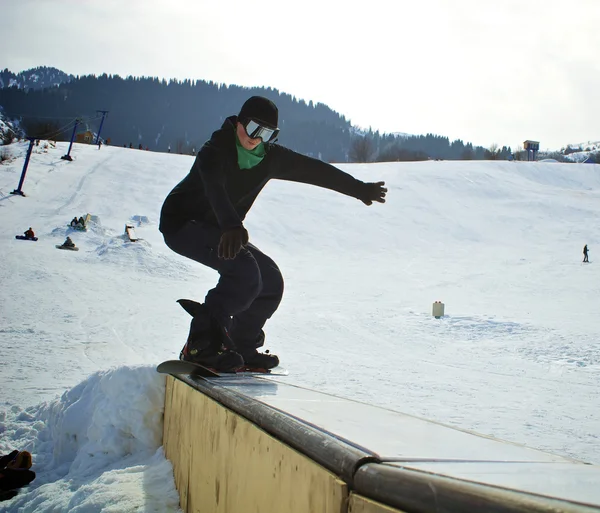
260, 444
223, 462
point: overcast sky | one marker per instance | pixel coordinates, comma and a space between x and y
486, 72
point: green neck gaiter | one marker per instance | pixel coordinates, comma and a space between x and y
249, 158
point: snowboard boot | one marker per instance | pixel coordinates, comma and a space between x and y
208, 343
260, 362
253, 360
217, 359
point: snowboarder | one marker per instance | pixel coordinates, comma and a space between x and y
29, 233
74, 222
68, 243
585, 253
202, 219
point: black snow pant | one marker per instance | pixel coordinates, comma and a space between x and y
249, 289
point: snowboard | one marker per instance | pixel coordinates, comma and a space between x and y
22, 237
194, 369
60, 246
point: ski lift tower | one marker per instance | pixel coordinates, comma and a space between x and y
532, 148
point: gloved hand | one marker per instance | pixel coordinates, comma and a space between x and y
373, 192
232, 241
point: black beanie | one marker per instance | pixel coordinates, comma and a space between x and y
261, 109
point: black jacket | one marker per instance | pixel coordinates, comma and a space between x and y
217, 191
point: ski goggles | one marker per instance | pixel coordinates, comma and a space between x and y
256, 130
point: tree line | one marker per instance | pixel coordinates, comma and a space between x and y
161, 114
178, 116
375, 147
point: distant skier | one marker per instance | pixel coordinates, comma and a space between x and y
202, 219
29, 233
585, 253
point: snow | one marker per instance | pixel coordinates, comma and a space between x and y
98, 444
3, 128
517, 355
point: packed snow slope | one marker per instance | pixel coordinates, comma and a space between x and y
517, 356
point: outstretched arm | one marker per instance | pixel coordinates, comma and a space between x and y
300, 168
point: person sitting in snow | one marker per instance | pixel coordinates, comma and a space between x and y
81, 223
29, 233
68, 243
202, 219
74, 222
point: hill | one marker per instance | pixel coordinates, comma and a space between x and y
180, 115
37, 78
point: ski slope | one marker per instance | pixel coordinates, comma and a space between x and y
517, 355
